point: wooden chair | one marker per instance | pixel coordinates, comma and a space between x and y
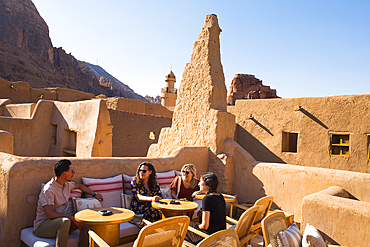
244, 224
95, 240
264, 204
242, 227
166, 232
224, 238
271, 225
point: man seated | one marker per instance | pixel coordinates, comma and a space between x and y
51, 219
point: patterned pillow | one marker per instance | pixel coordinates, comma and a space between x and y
312, 237
110, 188
75, 193
84, 203
290, 237
126, 200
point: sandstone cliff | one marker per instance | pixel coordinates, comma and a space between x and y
244, 86
27, 54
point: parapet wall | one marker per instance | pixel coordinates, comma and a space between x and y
21, 178
339, 218
137, 106
343, 221
289, 184
20, 92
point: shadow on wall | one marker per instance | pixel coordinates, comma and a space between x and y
255, 147
263, 127
313, 118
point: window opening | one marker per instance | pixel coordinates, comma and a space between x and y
340, 144
69, 143
290, 142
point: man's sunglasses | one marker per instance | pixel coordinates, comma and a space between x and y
73, 171
187, 172
144, 171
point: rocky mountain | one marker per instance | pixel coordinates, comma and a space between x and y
117, 87
27, 54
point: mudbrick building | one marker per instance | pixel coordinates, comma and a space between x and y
311, 155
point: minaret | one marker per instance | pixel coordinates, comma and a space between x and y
169, 93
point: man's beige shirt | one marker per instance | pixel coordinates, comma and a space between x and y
53, 193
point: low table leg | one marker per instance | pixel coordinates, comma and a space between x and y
109, 233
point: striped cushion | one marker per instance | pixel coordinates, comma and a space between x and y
127, 181
164, 179
291, 237
110, 188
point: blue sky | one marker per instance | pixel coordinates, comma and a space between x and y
300, 48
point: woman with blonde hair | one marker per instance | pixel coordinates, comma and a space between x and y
185, 185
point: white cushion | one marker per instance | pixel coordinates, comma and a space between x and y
110, 188
312, 237
126, 200
30, 239
128, 229
127, 184
84, 203
164, 179
290, 237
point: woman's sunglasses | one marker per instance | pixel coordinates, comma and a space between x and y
187, 172
144, 171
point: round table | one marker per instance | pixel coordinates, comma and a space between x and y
107, 227
228, 198
170, 210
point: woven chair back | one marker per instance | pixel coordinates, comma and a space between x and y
245, 221
224, 238
166, 232
272, 225
264, 204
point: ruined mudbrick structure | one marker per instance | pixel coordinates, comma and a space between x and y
244, 86
311, 155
